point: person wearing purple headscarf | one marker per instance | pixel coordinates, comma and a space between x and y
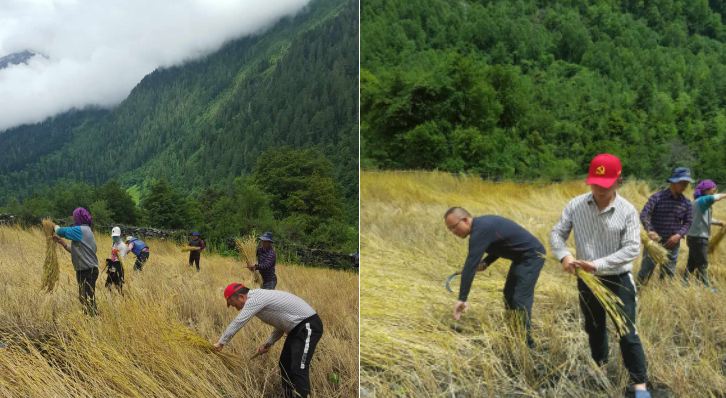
83, 256
699, 233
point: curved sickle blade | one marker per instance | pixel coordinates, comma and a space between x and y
448, 281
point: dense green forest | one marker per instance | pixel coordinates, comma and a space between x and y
197, 132
534, 89
291, 192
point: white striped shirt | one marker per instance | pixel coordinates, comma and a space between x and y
609, 238
279, 309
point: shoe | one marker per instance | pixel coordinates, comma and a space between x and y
714, 290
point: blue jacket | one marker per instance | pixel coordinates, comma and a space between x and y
139, 246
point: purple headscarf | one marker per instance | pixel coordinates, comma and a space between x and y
81, 216
702, 187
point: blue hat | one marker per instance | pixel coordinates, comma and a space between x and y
195, 234
267, 236
681, 174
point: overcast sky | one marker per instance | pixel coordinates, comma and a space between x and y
98, 50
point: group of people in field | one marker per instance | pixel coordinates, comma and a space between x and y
607, 241
288, 314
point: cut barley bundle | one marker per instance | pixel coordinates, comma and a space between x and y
609, 300
187, 248
247, 247
658, 253
186, 336
51, 271
716, 240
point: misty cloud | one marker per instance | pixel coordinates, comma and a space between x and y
96, 51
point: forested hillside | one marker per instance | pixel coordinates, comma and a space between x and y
208, 120
196, 132
533, 89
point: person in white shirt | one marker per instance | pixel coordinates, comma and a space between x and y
288, 314
114, 264
607, 240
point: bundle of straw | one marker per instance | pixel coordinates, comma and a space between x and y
186, 336
51, 271
247, 247
716, 240
609, 300
658, 253
187, 248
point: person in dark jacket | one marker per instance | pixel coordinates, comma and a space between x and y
194, 255
266, 260
499, 237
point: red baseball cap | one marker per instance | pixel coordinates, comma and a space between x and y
230, 289
604, 170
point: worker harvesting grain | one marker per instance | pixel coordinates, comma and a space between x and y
667, 216
699, 233
83, 256
288, 314
607, 240
499, 237
114, 264
266, 260
198, 245
140, 250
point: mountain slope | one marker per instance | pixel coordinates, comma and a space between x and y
206, 122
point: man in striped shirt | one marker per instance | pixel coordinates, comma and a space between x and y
607, 239
287, 313
667, 217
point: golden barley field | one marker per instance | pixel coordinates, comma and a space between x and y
49, 348
412, 347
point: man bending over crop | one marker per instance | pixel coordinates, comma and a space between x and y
288, 314
499, 237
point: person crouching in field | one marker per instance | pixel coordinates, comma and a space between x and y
699, 233
287, 313
667, 216
114, 267
607, 240
140, 250
499, 237
83, 256
194, 254
266, 260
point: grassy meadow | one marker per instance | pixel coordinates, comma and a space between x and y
49, 348
411, 346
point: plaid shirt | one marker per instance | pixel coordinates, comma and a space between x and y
266, 260
667, 215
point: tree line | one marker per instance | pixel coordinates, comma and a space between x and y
290, 192
533, 89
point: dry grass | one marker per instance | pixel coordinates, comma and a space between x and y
149, 342
411, 346
51, 271
715, 240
